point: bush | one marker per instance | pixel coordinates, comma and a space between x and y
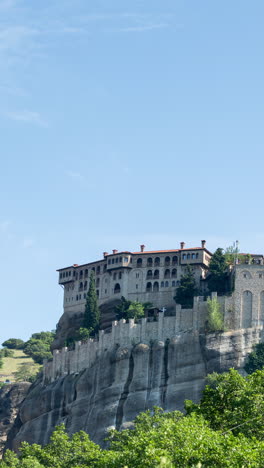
13, 343
255, 359
5, 352
26, 372
38, 346
215, 316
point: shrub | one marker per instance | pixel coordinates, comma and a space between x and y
255, 359
215, 316
13, 343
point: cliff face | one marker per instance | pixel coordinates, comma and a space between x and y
10, 398
126, 380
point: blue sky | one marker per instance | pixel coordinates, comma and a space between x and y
123, 123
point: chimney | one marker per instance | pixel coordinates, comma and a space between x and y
115, 251
142, 248
182, 245
203, 242
105, 254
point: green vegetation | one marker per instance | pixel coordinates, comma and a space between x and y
225, 430
218, 273
12, 364
92, 313
255, 359
13, 343
26, 372
215, 320
186, 290
38, 346
131, 309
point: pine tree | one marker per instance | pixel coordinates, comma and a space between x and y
218, 273
186, 290
92, 313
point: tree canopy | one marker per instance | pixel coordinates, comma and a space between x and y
13, 343
218, 273
38, 346
186, 290
91, 319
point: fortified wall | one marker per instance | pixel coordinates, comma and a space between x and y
243, 309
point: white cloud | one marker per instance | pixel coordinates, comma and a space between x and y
27, 116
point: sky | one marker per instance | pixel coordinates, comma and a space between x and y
123, 123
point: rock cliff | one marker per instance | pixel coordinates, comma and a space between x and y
11, 397
126, 380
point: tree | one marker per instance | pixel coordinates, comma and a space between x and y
38, 346
218, 274
92, 313
131, 309
232, 255
186, 290
13, 343
255, 359
5, 352
135, 310
215, 316
27, 372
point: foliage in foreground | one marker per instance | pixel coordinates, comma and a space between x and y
255, 359
225, 430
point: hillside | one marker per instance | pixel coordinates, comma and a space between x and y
11, 365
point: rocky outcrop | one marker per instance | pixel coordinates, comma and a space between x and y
126, 380
11, 397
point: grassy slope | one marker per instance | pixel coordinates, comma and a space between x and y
11, 365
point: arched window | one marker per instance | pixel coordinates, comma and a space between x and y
81, 286
167, 261
97, 282
184, 256
81, 274
98, 270
85, 285
166, 284
175, 260
173, 284
120, 275
139, 262
167, 273
188, 256
77, 297
93, 269
193, 256
162, 284
156, 274
157, 261
97, 292
86, 273
174, 273
117, 288
156, 286
105, 267
246, 309
149, 287
149, 262
149, 274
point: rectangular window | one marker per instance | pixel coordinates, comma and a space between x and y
126, 259
136, 286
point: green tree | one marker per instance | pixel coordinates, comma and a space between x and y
27, 372
234, 403
13, 343
186, 290
38, 346
218, 273
92, 312
215, 316
232, 255
1, 363
135, 310
255, 360
5, 352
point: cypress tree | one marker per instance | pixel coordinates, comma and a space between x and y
218, 273
92, 313
186, 290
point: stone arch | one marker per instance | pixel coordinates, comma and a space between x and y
149, 274
156, 286
139, 262
148, 287
246, 274
117, 288
150, 262
246, 319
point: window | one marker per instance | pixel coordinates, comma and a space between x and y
139, 262
173, 284
60, 275
188, 256
69, 273
80, 296
116, 260
197, 255
184, 257
105, 291
109, 261
74, 272
162, 284
98, 270
193, 256
167, 273
97, 292
97, 282
81, 274
113, 260
81, 286
167, 261
157, 261
149, 287
149, 262
93, 269
166, 284
260, 275
86, 273
117, 288
156, 274
156, 287
120, 259
84, 295
174, 260
77, 297
120, 275
137, 275
114, 276
85, 285
149, 274
126, 259
105, 266
174, 273
136, 286
64, 275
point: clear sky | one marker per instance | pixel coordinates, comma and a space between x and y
121, 123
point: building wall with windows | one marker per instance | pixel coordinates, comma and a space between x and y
145, 276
